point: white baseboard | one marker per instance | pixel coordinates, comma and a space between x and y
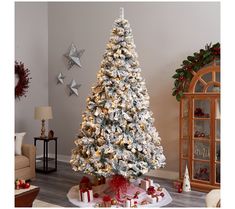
62, 158
38, 156
172, 175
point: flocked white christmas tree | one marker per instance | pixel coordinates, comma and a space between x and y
117, 134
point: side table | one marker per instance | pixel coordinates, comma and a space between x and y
25, 197
45, 168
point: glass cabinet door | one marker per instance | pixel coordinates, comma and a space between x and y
201, 150
201, 139
217, 173
217, 141
201, 171
185, 118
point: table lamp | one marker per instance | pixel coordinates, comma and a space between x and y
43, 113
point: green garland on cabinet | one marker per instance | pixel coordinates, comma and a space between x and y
183, 75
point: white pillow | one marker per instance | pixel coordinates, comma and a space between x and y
18, 142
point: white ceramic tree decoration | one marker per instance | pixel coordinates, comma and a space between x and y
186, 182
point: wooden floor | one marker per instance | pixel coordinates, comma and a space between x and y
54, 188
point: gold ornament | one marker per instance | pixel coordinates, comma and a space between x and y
159, 189
97, 153
113, 202
144, 202
142, 126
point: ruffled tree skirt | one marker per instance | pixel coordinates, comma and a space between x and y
104, 190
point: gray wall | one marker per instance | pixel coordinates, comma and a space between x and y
164, 33
31, 47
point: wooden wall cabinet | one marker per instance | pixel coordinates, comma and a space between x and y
200, 129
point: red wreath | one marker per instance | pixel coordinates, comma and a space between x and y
23, 83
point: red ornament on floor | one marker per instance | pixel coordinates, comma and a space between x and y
180, 190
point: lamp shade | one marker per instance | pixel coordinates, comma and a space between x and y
43, 113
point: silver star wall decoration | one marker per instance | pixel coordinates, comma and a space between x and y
73, 56
73, 87
60, 78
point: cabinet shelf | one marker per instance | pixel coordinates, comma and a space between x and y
185, 138
198, 118
201, 138
184, 158
201, 181
200, 160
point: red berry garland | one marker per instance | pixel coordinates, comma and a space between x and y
184, 75
23, 83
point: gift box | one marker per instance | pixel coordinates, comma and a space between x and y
159, 198
153, 200
159, 191
85, 195
146, 183
129, 202
150, 182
